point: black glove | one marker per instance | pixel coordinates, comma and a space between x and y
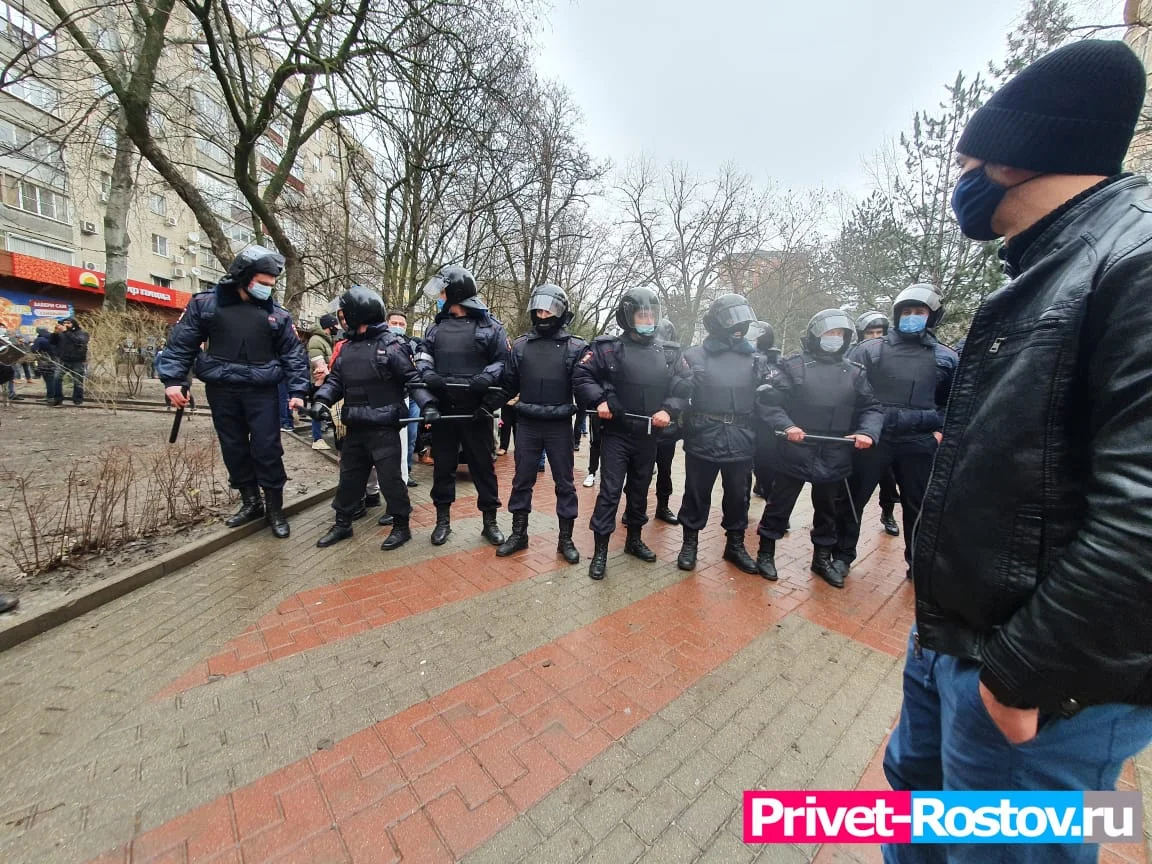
431, 414
319, 411
480, 383
434, 382
615, 407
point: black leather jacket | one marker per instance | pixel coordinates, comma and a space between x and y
1034, 549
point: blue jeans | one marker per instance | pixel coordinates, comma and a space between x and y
413, 431
317, 430
946, 741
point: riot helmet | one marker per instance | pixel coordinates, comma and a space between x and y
639, 312
871, 321
729, 315
921, 294
458, 287
761, 334
552, 300
818, 338
666, 331
360, 305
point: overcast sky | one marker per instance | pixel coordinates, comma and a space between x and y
801, 91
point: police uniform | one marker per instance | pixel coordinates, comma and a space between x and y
371, 374
825, 395
251, 349
461, 362
633, 375
719, 433
539, 369
667, 437
911, 375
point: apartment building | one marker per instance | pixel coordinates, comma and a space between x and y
57, 148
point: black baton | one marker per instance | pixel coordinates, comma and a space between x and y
178, 419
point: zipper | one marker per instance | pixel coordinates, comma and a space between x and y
995, 346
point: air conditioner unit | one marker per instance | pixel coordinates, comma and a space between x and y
177, 260
177, 272
170, 221
193, 237
103, 197
192, 249
87, 227
195, 271
89, 265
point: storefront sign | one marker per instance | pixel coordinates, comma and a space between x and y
23, 313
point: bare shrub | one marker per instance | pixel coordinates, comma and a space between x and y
118, 359
119, 496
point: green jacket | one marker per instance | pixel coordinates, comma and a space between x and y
320, 345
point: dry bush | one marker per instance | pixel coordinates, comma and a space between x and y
116, 370
119, 496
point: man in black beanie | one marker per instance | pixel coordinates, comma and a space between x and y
1030, 665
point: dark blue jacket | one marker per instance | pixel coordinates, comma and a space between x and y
492, 339
191, 331
394, 366
910, 424
574, 348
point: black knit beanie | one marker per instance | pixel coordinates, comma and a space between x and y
1073, 111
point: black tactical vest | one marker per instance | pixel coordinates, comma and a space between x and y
822, 400
544, 375
904, 375
723, 382
241, 333
642, 381
457, 353
364, 373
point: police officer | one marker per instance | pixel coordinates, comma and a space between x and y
539, 369
719, 429
636, 388
667, 437
251, 349
816, 392
911, 375
370, 374
875, 325
462, 361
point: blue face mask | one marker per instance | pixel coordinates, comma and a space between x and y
831, 344
260, 292
912, 323
399, 331
646, 329
440, 304
974, 200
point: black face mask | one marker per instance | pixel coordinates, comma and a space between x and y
547, 326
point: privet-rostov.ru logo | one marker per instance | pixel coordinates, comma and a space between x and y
941, 817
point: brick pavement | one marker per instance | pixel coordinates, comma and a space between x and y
276, 702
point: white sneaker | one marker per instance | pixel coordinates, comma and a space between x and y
320, 445
590, 480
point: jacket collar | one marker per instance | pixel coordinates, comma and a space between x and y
1070, 217
559, 335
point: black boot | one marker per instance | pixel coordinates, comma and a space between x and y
443, 524
342, 530
491, 531
372, 499
564, 545
274, 513
766, 559
360, 512
827, 569
518, 539
889, 523
735, 553
251, 508
599, 565
664, 512
385, 519
635, 546
687, 558
398, 536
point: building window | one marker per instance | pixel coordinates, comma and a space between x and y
24, 246
41, 201
21, 30
212, 150
161, 280
34, 93
158, 204
160, 245
105, 184
13, 137
205, 285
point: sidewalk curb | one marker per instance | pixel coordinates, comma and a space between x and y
116, 586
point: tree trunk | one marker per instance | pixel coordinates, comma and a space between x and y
116, 222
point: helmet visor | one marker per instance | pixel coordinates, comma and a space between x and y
832, 321
646, 314
734, 317
755, 330
547, 303
434, 287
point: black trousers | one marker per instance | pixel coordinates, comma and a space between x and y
554, 438
247, 422
782, 500
474, 437
911, 463
700, 477
665, 453
595, 437
889, 494
366, 448
508, 415
626, 465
